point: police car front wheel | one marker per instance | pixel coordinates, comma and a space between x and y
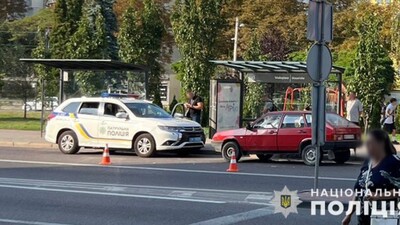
68, 142
145, 145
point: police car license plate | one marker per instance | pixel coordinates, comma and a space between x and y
195, 139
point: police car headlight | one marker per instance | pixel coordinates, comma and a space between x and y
170, 129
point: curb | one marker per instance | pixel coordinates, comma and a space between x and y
26, 144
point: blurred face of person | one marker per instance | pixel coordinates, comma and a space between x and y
394, 103
189, 94
352, 96
375, 149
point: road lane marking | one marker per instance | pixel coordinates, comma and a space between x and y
239, 217
177, 170
120, 186
215, 195
111, 194
29, 222
182, 194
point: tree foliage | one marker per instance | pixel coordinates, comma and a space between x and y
395, 39
373, 71
94, 39
274, 46
196, 25
287, 17
12, 9
140, 38
67, 15
20, 79
254, 92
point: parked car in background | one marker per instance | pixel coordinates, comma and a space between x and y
289, 132
36, 105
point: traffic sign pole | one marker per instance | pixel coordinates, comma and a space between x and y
319, 66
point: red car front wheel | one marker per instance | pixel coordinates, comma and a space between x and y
228, 148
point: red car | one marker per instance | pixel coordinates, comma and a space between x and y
289, 132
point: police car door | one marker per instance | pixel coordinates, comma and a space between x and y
114, 126
86, 123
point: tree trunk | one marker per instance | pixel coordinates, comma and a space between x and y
25, 100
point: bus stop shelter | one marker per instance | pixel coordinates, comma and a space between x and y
107, 65
271, 72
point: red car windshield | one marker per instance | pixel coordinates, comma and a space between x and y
334, 120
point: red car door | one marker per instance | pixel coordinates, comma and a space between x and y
262, 136
291, 132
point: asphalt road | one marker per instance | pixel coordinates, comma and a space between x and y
45, 187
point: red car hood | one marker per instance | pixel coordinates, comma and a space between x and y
220, 136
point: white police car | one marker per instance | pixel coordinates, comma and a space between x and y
122, 124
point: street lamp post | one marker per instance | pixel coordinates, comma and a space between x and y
236, 38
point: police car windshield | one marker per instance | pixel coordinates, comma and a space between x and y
147, 110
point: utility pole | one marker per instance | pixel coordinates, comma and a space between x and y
236, 38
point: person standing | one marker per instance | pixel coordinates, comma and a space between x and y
354, 109
389, 123
380, 175
195, 106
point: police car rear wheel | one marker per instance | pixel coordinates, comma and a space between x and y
145, 145
68, 143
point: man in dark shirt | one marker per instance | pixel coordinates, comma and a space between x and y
195, 105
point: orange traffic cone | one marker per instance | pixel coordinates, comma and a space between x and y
106, 157
233, 166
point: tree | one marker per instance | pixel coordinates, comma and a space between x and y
67, 15
395, 45
94, 38
274, 46
12, 9
286, 16
19, 75
42, 73
196, 25
140, 39
254, 92
373, 71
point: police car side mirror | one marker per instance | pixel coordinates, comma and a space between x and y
122, 115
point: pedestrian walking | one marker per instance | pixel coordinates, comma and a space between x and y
380, 174
194, 106
354, 109
389, 120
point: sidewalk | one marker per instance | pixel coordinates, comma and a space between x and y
32, 139
23, 139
